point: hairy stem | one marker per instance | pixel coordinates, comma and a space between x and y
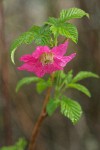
42, 116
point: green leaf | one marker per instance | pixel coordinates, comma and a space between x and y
70, 31
52, 106
71, 109
84, 74
62, 74
25, 38
42, 35
52, 21
65, 29
81, 88
42, 85
20, 145
72, 13
55, 25
26, 80
69, 77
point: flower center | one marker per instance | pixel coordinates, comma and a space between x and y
47, 58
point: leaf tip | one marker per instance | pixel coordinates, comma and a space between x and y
16, 90
87, 15
12, 56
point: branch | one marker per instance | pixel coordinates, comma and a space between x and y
42, 116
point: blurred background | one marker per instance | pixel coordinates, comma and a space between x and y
19, 112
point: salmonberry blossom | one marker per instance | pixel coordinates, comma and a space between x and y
45, 60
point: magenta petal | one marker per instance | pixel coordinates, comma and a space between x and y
26, 67
33, 63
66, 59
40, 73
52, 67
61, 49
39, 70
39, 50
29, 65
26, 58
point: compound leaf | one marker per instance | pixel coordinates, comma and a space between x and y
25, 38
41, 36
65, 29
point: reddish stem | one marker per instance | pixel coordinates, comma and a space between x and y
42, 116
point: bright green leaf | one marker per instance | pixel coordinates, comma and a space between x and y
72, 13
69, 31
26, 80
20, 145
84, 74
42, 85
65, 29
25, 38
81, 88
52, 106
42, 35
62, 74
71, 109
69, 77
52, 21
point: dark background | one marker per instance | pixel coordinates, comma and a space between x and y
19, 112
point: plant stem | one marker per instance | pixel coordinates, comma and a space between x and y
56, 40
42, 116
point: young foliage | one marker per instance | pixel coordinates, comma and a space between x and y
20, 145
40, 35
71, 82
84, 74
42, 85
72, 13
61, 27
69, 77
43, 35
80, 88
52, 106
25, 38
65, 29
26, 80
71, 109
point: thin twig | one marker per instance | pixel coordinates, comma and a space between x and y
42, 116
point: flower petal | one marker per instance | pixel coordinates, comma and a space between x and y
33, 64
26, 67
26, 58
29, 65
39, 69
39, 50
61, 49
62, 61
52, 67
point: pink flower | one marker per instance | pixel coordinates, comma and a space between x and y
45, 60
